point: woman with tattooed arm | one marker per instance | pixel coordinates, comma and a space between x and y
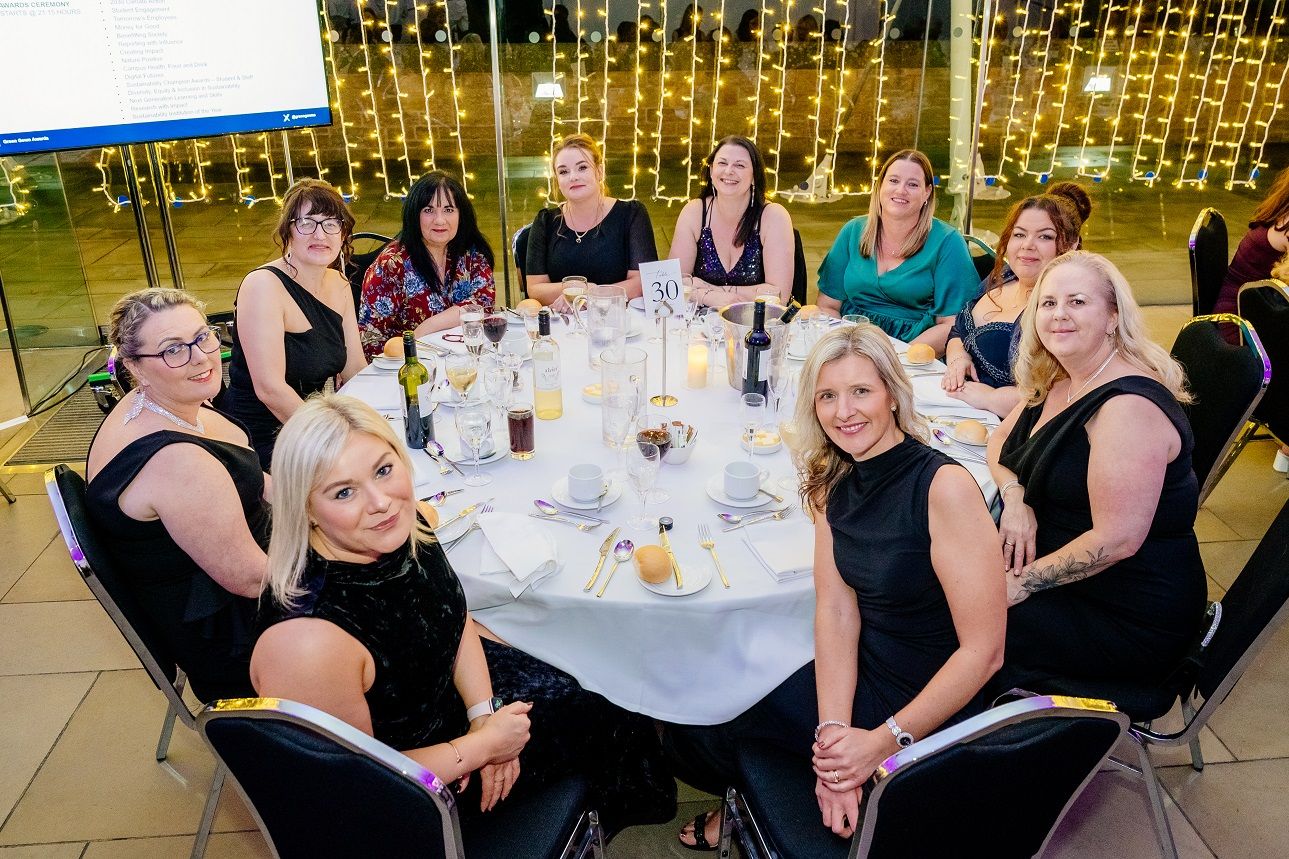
1103, 571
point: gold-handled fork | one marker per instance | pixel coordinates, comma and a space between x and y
705, 540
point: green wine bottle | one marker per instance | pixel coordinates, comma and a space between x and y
418, 411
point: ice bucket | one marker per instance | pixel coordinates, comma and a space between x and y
738, 322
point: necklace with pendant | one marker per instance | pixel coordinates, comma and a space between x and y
142, 402
1069, 398
594, 224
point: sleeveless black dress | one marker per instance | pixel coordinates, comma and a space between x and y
210, 631
409, 613
1133, 621
312, 357
882, 547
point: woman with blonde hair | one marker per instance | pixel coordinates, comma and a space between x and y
907, 272
591, 234
367, 620
909, 612
1098, 529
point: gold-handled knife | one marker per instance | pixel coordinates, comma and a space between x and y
605, 548
466, 512
665, 542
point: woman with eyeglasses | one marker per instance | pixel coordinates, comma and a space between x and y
178, 495
296, 325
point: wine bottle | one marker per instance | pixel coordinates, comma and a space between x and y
414, 379
756, 341
548, 394
794, 307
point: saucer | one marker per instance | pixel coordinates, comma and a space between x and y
762, 445
904, 359
591, 393
381, 362
500, 451
563, 499
696, 577
797, 350
635, 329
637, 303
716, 491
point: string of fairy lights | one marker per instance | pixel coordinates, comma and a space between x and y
1185, 92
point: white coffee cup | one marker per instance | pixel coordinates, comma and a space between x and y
743, 480
585, 482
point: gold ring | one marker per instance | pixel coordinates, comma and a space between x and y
836, 779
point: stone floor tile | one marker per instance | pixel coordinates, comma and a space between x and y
1253, 721
51, 578
34, 709
57, 637
1238, 808
222, 845
66, 850
1112, 818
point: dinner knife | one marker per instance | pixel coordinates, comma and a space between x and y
665, 541
466, 512
605, 548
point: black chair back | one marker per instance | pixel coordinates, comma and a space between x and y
800, 274
1264, 304
1254, 608
519, 249
66, 490
1227, 381
358, 264
1209, 256
982, 256
321, 788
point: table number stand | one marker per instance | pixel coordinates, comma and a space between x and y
663, 297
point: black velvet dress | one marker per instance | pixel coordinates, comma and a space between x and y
410, 614
210, 631
882, 547
1134, 620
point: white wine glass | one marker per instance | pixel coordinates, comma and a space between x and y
752, 416
474, 424
643, 459
462, 372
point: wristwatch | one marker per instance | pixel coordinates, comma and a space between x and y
903, 737
484, 708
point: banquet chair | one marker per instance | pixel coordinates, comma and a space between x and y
519, 249
997, 784
1254, 608
1209, 257
982, 255
800, 274
66, 490
1227, 381
356, 268
320, 787
1265, 305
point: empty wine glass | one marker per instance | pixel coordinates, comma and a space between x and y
496, 385
474, 424
752, 415
643, 459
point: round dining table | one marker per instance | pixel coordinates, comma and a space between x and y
696, 658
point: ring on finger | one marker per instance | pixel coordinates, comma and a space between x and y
836, 777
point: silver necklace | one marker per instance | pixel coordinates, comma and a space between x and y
1069, 398
142, 402
594, 224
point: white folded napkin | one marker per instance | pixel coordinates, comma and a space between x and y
519, 544
928, 392
784, 558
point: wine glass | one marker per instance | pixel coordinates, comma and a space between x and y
642, 468
752, 415
652, 427
494, 326
496, 385
474, 424
462, 372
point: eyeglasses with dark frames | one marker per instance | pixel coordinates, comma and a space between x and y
180, 354
308, 226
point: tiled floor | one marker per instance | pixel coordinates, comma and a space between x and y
79, 719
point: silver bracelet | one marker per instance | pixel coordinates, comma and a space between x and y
830, 722
1002, 493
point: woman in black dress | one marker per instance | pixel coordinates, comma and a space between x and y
1098, 529
176, 493
909, 612
368, 622
296, 324
591, 234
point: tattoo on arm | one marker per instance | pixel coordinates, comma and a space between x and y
1064, 571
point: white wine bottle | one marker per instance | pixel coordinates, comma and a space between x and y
418, 411
548, 393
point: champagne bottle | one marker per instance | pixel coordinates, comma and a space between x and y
794, 307
756, 341
414, 379
548, 395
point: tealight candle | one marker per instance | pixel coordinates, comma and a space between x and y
697, 365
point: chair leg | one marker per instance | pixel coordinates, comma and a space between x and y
167, 731
1197, 756
1163, 832
8, 496
728, 813
596, 833
208, 813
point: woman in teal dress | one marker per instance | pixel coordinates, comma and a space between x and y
907, 272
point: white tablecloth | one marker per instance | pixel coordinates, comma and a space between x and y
697, 659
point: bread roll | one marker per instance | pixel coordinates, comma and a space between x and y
394, 348
920, 353
652, 564
971, 431
808, 311
529, 306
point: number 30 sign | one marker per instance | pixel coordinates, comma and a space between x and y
663, 289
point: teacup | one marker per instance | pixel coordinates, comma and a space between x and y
585, 482
743, 480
